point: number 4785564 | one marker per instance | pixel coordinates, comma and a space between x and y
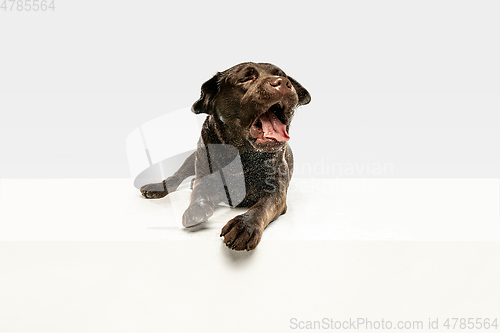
27, 5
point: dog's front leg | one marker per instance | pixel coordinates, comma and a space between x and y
206, 195
159, 190
245, 231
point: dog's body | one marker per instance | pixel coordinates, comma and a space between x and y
249, 107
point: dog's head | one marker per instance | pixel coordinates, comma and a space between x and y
252, 103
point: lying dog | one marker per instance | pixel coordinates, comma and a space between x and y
250, 107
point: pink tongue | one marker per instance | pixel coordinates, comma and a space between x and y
273, 128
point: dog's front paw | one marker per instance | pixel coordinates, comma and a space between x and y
196, 213
154, 191
242, 233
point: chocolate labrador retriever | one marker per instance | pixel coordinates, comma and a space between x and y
242, 158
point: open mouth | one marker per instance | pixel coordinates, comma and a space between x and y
271, 125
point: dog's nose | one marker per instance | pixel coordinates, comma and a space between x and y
281, 84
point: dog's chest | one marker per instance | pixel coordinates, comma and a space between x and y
262, 169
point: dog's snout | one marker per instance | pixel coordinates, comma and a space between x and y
281, 83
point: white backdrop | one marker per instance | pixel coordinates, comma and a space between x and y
399, 89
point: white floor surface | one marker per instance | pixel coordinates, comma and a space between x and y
89, 255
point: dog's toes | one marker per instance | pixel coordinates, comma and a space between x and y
154, 191
240, 234
196, 214
241, 242
232, 235
229, 225
253, 241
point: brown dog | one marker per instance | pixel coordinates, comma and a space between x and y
243, 158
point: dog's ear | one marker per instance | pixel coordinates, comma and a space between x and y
304, 96
209, 90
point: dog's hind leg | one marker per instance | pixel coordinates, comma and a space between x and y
159, 190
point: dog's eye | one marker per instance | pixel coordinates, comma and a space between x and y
247, 75
246, 79
278, 73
